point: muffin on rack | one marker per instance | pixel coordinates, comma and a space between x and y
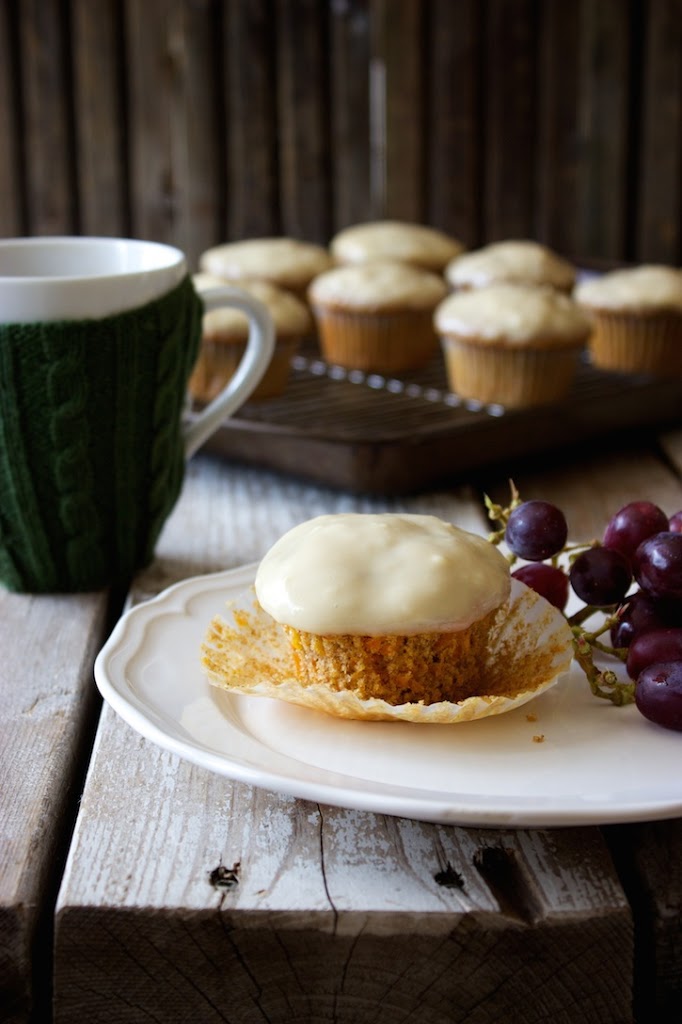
225, 333
391, 606
637, 319
286, 262
395, 240
512, 262
377, 317
512, 345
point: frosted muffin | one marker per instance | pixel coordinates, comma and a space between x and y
285, 262
377, 317
225, 333
512, 262
637, 319
395, 240
391, 606
512, 345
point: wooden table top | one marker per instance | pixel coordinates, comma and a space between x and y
135, 886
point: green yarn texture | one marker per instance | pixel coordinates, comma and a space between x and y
91, 449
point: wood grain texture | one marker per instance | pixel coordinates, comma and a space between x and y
250, 197
102, 172
231, 903
604, 92
659, 155
349, 51
48, 130
12, 204
510, 118
452, 117
173, 123
397, 84
303, 119
48, 647
558, 152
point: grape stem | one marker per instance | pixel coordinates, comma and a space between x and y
604, 683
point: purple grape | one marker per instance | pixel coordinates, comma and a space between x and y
546, 580
675, 524
632, 524
600, 576
658, 694
658, 565
536, 530
656, 646
640, 614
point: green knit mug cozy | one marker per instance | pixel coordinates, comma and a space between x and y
92, 453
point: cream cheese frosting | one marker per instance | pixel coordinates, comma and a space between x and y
395, 240
381, 573
378, 286
287, 262
521, 261
647, 287
512, 314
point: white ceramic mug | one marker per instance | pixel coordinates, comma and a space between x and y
98, 338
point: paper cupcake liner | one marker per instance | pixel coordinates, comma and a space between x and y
376, 342
528, 650
637, 342
512, 377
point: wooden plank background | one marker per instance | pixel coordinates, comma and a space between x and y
199, 121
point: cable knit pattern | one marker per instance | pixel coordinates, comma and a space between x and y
92, 457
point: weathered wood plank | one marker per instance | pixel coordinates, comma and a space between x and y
101, 159
336, 913
303, 119
397, 98
509, 120
659, 231
349, 38
557, 154
452, 120
11, 181
603, 97
49, 700
174, 125
249, 111
49, 168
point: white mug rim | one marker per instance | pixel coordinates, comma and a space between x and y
152, 270
174, 256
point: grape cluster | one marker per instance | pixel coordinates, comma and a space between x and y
633, 576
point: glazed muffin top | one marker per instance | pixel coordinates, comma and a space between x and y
395, 240
286, 262
521, 262
377, 287
381, 573
513, 315
646, 288
289, 315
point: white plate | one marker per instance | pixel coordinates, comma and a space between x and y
595, 763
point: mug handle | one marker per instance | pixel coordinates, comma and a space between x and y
255, 361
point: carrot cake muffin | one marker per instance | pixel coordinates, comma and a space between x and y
637, 319
287, 262
225, 333
377, 317
395, 240
391, 606
510, 344
517, 262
